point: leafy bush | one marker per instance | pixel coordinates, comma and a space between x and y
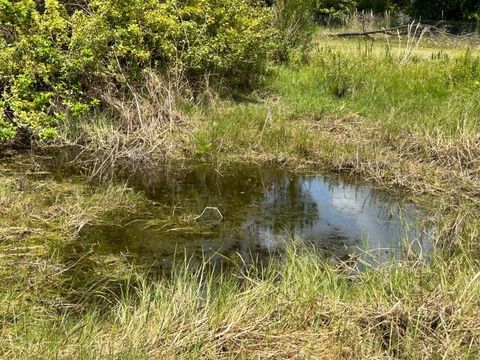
335, 9
55, 57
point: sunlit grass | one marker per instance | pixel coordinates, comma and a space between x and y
300, 306
350, 108
434, 95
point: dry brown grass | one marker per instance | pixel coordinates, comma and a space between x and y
422, 163
138, 127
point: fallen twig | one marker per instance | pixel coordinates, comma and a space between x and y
212, 209
371, 32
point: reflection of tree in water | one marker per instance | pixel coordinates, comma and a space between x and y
200, 183
234, 190
273, 198
265, 196
261, 206
279, 200
288, 206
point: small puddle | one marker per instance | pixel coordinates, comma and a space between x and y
254, 211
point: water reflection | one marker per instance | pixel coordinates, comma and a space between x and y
263, 208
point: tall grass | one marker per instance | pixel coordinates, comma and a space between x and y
299, 307
427, 95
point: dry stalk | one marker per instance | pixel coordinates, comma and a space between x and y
144, 126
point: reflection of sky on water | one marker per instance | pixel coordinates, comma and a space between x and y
263, 208
336, 218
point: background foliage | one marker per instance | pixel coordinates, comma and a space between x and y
445, 9
56, 56
427, 9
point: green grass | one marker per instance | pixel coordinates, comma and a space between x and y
352, 108
412, 123
420, 96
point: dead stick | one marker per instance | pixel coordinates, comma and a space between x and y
365, 33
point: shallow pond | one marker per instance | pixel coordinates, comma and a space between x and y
254, 211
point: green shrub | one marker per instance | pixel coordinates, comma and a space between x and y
466, 70
335, 9
294, 21
56, 58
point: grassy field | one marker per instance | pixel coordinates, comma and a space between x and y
404, 118
411, 122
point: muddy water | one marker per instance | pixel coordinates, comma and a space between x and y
254, 211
